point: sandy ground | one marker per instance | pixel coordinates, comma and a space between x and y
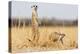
20, 43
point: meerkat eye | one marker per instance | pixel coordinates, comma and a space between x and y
33, 6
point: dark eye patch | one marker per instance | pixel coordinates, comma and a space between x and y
36, 6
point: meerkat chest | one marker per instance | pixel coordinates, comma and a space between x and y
34, 18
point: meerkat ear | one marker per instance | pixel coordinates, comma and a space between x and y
32, 6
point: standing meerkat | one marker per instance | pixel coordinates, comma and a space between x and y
35, 30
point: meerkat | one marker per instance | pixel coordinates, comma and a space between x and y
35, 30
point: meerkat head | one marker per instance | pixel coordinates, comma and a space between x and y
34, 7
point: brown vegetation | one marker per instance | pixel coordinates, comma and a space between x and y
22, 39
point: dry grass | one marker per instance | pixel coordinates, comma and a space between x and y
22, 39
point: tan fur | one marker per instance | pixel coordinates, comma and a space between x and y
35, 29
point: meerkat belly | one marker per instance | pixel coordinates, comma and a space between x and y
34, 22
